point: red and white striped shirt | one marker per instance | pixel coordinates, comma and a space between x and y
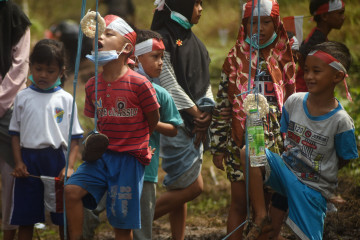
121, 108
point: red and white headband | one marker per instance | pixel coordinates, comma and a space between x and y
333, 62
267, 8
330, 6
118, 24
148, 46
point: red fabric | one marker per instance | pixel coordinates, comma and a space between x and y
280, 65
330, 6
59, 191
158, 45
121, 108
53, 194
300, 82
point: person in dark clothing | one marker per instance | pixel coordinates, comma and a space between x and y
328, 15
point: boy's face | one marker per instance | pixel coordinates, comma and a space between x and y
319, 76
152, 62
110, 40
196, 12
266, 28
336, 18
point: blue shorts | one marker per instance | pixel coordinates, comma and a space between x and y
307, 207
121, 176
28, 206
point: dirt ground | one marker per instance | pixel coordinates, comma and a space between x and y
343, 224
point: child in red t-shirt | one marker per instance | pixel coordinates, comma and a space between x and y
128, 112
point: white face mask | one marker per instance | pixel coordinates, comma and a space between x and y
105, 56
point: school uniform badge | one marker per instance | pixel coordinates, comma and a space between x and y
59, 113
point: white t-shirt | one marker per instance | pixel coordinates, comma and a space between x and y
42, 118
315, 144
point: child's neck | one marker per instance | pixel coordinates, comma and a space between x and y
114, 70
324, 28
321, 104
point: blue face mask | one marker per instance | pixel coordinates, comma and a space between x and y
105, 56
57, 83
139, 69
183, 21
256, 46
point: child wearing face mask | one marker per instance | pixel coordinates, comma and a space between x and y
128, 112
328, 15
39, 127
149, 53
276, 83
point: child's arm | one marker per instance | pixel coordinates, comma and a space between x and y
74, 149
152, 118
166, 129
20, 169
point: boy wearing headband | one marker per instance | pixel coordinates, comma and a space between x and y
328, 15
320, 139
127, 112
277, 83
149, 52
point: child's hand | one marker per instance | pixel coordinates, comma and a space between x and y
152, 150
225, 113
337, 200
218, 160
202, 122
61, 175
20, 170
199, 137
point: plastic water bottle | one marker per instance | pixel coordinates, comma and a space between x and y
256, 138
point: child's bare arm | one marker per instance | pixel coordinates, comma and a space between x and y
74, 149
152, 118
20, 169
166, 129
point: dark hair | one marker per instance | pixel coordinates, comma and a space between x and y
290, 34
314, 5
48, 50
337, 50
143, 35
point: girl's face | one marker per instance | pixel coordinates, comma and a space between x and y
267, 28
152, 62
196, 12
45, 75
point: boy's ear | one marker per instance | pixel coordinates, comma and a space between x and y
339, 76
128, 48
62, 72
324, 17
